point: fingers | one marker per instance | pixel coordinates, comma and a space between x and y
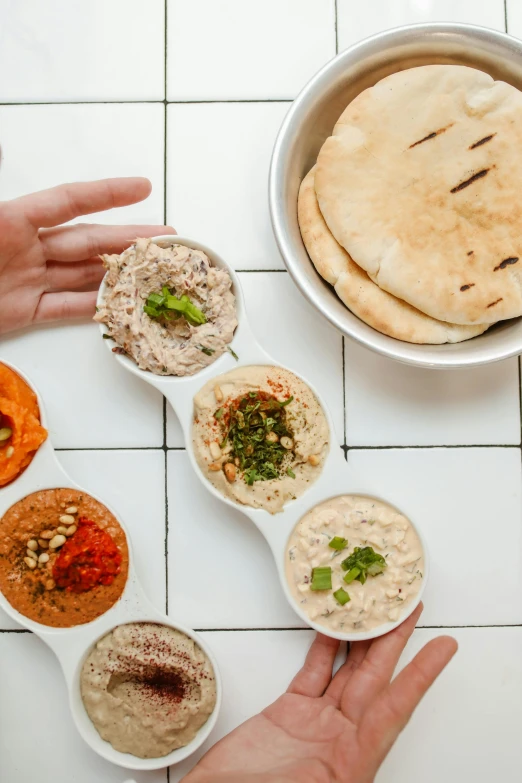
356, 655
86, 275
389, 714
316, 673
64, 306
75, 243
65, 202
375, 671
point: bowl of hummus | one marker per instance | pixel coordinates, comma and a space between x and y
147, 694
167, 306
64, 558
355, 567
259, 435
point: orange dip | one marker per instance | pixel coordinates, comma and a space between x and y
18, 412
45, 592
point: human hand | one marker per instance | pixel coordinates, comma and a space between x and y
331, 730
48, 271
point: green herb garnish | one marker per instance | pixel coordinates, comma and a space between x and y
321, 578
204, 349
286, 402
352, 574
366, 561
107, 336
234, 354
338, 543
253, 426
168, 306
341, 596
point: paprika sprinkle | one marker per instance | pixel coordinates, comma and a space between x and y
88, 559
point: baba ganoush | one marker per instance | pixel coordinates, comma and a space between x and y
63, 557
148, 689
354, 563
167, 308
21, 433
260, 435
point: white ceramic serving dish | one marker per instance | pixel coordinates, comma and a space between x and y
336, 478
72, 645
310, 121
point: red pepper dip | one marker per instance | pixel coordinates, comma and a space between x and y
63, 557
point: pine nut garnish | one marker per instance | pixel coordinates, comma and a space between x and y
62, 530
215, 451
44, 558
71, 530
57, 541
43, 544
32, 544
230, 472
31, 554
47, 534
67, 519
287, 443
71, 510
218, 393
30, 563
50, 584
272, 437
9, 452
314, 459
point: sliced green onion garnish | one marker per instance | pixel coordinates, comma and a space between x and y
159, 305
290, 472
151, 311
338, 543
204, 349
351, 575
219, 413
321, 578
341, 596
234, 354
286, 402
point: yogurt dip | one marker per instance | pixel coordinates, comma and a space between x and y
148, 689
260, 435
389, 556
167, 308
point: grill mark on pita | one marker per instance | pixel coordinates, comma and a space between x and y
470, 252
506, 262
480, 142
430, 136
469, 181
465, 287
494, 303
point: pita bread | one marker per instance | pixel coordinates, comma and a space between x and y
364, 298
421, 183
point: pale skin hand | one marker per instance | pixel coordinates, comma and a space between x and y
325, 730
49, 271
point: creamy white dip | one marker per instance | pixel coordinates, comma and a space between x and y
364, 522
148, 689
167, 347
304, 417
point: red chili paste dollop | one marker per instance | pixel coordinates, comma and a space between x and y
88, 559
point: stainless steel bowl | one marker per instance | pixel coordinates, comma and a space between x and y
311, 119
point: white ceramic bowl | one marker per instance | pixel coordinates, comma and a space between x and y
310, 121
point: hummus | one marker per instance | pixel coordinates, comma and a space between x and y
43, 543
148, 689
167, 341
326, 538
260, 435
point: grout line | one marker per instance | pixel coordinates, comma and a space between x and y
234, 100
261, 270
77, 103
117, 448
505, 16
344, 446
344, 392
336, 28
165, 447
166, 50
520, 397
15, 630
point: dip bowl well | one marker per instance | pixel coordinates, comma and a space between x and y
310, 121
72, 645
336, 478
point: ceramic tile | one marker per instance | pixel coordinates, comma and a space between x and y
174, 432
43, 146
464, 501
393, 404
514, 17
91, 401
40, 711
230, 590
256, 667
250, 50
133, 483
82, 51
461, 731
295, 335
218, 157
356, 21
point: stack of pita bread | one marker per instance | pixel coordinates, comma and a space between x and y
413, 211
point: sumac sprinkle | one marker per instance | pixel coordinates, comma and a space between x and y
162, 684
88, 559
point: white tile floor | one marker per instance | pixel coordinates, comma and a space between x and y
228, 73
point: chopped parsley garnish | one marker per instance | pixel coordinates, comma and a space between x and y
253, 426
168, 306
363, 562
